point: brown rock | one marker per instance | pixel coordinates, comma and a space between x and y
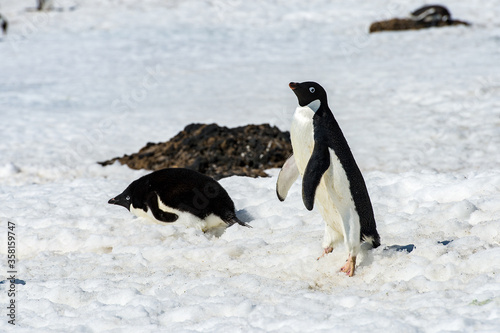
397, 24
216, 151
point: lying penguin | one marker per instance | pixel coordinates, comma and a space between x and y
175, 194
331, 178
432, 15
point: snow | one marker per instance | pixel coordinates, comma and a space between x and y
98, 79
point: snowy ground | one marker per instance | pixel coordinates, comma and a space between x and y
98, 79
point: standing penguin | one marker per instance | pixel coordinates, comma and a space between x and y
331, 178
4, 24
175, 193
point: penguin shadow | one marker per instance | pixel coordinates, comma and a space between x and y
400, 248
410, 247
14, 281
244, 216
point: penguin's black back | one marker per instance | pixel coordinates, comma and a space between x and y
432, 14
438, 9
185, 190
326, 129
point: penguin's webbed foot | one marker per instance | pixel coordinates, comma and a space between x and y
348, 268
325, 252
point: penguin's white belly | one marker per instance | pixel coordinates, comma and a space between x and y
210, 222
333, 196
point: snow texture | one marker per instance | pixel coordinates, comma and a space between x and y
94, 79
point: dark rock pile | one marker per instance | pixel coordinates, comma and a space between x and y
396, 24
216, 151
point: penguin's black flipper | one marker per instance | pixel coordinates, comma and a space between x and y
286, 178
160, 215
316, 167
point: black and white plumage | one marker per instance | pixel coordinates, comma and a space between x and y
4, 24
431, 15
331, 179
173, 194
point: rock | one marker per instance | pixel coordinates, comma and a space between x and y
216, 151
409, 24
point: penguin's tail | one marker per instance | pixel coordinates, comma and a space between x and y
374, 240
235, 220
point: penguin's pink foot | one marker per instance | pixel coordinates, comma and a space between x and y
325, 252
348, 268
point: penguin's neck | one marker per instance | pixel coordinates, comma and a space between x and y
314, 105
305, 114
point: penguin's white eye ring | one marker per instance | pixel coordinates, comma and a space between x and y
312, 90
127, 198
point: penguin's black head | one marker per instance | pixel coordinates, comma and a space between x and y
124, 199
307, 92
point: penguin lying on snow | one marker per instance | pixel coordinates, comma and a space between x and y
171, 194
431, 15
331, 178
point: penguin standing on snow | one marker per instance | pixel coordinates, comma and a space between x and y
4, 24
331, 178
175, 193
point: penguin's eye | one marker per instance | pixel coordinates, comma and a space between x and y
127, 198
312, 90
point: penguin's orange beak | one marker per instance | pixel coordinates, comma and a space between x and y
293, 85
